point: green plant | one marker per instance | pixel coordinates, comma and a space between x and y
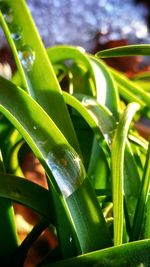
97, 165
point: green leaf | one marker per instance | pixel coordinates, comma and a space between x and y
61, 53
25, 192
143, 195
131, 254
8, 231
99, 118
128, 50
98, 170
128, 95
131, 87
106, 90
117, 151
66, 174
80, 80
49, 146
147, 219
86, 216
36, 70
131, 184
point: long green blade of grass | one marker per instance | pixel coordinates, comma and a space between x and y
36, 70
8, 232
143, 195
118, 148
131, 87
99, 118
106, 90
147, 219
131, 254
131, 182
98, 169
61, 53
60, 160
129, 50
129, 96
49, 146
26, 193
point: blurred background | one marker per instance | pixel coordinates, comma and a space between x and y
87, 22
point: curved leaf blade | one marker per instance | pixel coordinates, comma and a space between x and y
67, 52
99, 118
66, 174
106, 91
143, 196
117, 151
131, 87
131, 254
25, 192
40, 82
129, 50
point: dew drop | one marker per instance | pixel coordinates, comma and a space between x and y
16, 32
88, 102
70, 239
27, 57
34, 127
7, 12
66, 168
107, 138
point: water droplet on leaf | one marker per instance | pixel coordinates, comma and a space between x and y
108, 138
66, 168
7, 12
27, 57
34, 127
70, 239
88, 102
16, 32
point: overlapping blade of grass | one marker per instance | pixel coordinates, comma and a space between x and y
26, 193
82, 211
126, 86
147, 219
139, 141
143, 75
8, 232
36, 70
106, 90
117, 151
20, 254
79, 79
99, 118
98, 169
63, 53
12, 140
131, 87
66, 174
129, 96
128, 50
13, 164
144, 190
131, 254
131, 184
42, 135
102, 122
